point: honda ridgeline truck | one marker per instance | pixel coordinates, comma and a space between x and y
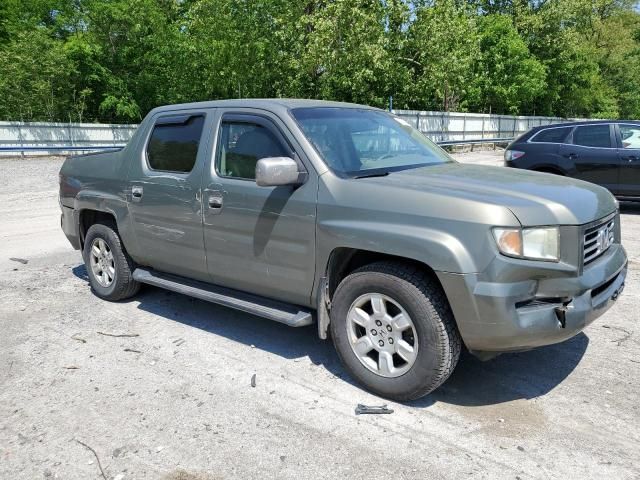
305, 211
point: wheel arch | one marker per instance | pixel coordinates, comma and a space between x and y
89, 216
93, 206
344, 260
556, 170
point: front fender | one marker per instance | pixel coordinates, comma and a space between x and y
440, 250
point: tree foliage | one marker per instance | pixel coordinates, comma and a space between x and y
442, 49
114, 60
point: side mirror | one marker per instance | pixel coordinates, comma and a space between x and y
277, 171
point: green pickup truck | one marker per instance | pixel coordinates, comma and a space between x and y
305, 211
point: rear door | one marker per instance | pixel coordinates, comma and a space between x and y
258, 239
542, 150
164, 195
592, 151
628, 136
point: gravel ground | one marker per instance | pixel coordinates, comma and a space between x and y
175, 401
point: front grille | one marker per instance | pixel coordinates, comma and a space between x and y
597, 240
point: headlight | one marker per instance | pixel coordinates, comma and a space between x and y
540, 243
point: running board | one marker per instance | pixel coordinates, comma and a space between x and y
263, 307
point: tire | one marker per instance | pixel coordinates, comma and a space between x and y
119, 266
433, 336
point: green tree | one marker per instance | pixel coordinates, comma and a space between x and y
114, 60
509, 78
575, 86
618, 50
346, 54
442, 48
35, 79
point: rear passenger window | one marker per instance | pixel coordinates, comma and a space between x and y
551, 135
173, 147
242, 144
592, 136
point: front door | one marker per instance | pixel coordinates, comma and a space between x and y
591, 149
629, 154
164, 195
258, 239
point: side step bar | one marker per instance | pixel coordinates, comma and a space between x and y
263, 307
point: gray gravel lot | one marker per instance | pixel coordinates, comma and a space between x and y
176, 402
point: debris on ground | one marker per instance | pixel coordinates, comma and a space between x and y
179, 341
71, 367
118, 334
624, 338
80, 339
132, 350
96, 455
373, 410
19, 260
253, 380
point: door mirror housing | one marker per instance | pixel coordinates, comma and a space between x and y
278, 171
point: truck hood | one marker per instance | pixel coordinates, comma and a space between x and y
534, 198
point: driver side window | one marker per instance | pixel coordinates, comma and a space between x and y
241, 145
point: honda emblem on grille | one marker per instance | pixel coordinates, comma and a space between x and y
604, 239
597, 240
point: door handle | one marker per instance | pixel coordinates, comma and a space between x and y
136, 193
215, 201
572, 156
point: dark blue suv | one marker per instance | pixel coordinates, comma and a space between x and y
604, 152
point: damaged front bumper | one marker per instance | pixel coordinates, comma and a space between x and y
548, 308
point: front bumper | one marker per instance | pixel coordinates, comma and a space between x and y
499, 317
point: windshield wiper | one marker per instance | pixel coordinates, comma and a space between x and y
370, 175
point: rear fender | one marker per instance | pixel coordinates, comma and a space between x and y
114, 205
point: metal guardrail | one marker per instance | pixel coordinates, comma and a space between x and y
61, 148
91, 148
478, 141
445, 128
458, 126
42, 138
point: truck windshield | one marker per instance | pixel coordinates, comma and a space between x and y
361, 142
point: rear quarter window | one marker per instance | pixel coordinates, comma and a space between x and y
551, 135
630, 135
173, 147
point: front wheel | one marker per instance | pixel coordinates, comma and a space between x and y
394, 330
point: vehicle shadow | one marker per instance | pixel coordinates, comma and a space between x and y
508, 377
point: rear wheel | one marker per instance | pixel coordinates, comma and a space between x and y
109, 267
394, 331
